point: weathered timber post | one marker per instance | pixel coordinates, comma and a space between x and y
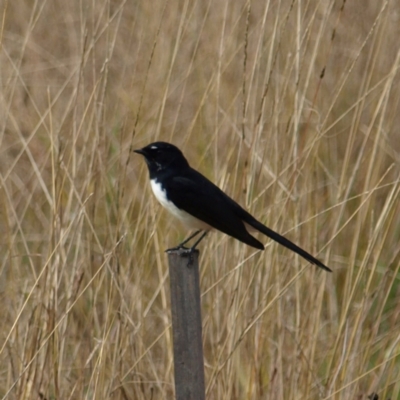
186, 325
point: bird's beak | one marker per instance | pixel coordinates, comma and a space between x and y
140, 151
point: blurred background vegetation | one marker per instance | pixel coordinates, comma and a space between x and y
291, 107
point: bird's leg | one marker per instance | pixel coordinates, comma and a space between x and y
189, 251
198, 241
181, 245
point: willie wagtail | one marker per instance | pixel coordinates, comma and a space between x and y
201, 205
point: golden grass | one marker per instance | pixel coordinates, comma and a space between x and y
291, 107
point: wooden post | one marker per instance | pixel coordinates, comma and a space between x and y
186, 325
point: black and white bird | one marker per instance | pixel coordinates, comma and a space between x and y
200, 204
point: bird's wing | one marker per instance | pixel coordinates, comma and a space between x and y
195, 194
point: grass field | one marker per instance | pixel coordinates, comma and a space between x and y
292, 107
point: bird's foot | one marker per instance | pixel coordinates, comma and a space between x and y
179, 248
185, 252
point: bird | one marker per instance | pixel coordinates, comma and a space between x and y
201, 205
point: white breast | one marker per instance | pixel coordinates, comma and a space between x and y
188, 220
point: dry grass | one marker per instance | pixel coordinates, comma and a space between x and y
240, 88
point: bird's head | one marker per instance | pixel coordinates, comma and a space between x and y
162, 155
